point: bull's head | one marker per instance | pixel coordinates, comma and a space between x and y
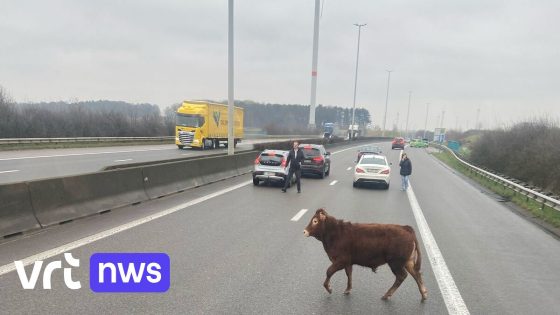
316, 226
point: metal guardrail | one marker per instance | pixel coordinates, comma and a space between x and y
529, 193
120, 139
79, 139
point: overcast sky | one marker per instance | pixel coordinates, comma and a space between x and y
500, 56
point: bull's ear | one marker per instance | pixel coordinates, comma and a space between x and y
321, 213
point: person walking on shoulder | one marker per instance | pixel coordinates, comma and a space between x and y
295, 157
406, 170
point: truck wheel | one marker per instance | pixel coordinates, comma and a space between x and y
203, 146
216, 144
180, 147
235, 143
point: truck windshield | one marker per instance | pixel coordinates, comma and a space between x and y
190, 120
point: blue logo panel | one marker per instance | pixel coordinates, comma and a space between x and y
129, 272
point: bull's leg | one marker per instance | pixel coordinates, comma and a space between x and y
400, 274
418, 277
348, 270
336, 266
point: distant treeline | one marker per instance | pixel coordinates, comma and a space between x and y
121, 119
528, 151
293, 118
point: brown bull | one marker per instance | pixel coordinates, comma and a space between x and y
367, 245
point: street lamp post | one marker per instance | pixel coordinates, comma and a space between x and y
386, 100
426, 122
408, 113
231, 118
355, 81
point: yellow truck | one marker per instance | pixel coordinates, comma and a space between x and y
203, 125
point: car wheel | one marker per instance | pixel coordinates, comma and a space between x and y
255, 181
329, 171
354, 184
180, 147
386, 186
322, 174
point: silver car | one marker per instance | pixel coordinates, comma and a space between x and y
271, 167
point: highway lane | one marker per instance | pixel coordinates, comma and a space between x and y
240, 252
16, 166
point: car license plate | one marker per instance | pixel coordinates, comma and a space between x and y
269, 173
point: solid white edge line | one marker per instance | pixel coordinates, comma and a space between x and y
101, 235
299, 215
333, 182
451, 295
10, 171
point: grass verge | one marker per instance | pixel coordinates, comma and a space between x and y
535, 208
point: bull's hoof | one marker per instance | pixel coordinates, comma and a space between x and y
328, 288
347, 292
385, 297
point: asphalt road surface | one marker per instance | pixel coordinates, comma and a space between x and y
237, 249
17, 166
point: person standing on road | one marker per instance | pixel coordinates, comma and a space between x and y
406, 170
295, 157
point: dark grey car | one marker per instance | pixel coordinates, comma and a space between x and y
316, 161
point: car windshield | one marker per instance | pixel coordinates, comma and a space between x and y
373, 159
186, 120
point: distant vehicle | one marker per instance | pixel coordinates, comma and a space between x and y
270, 167
407, 140
316, 160
418, 143
369, 149
204, 125
374, 169
398, 142
354, 132
328, 130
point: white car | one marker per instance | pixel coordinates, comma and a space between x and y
372, 168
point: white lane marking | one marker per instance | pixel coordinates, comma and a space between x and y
333, 182
299, 215
10, 171
78, 154
451, 295
349, 168
123, 160
101, 235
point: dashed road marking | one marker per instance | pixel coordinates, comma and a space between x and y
299, 215
333, 182
10, 171
349, 168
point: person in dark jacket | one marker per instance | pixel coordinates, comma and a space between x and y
295, 157
406, 170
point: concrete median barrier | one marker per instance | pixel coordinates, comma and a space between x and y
16, 211
244, 162
62, 199
167, 178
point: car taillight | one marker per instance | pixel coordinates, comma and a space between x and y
258, 160
359, 170
318, 159
283, 164
387, 171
